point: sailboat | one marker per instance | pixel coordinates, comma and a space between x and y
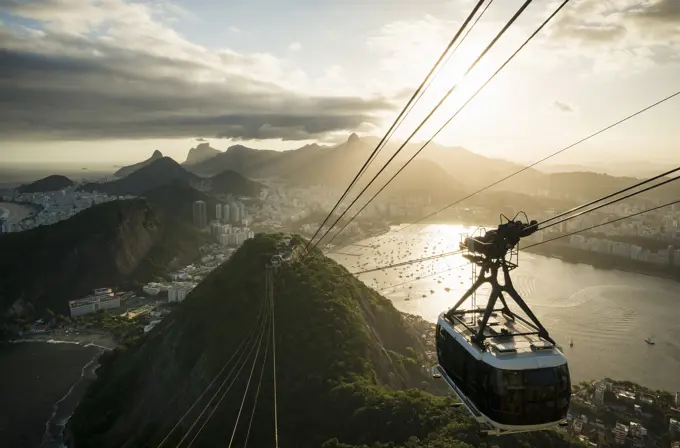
571, 342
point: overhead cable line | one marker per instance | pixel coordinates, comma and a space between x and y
219, 390
270, 293
238, 350
250, 377
581, 207
613, 201
257, 342
403, 113
424, 276
257, 392
454, 115
541, 242
401, 147
594, 134
431, 77
406, 263
582, 212
604, 223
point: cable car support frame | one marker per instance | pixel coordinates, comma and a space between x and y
493, 252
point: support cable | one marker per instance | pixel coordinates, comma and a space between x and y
276, 406
604, 223
241, 345
449, 121
616, 193
257, 342
613, 201
584, 139
396, 122
581, 213
250, 377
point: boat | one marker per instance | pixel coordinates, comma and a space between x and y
571, 343
650, 341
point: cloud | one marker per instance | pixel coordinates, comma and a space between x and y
295, 46
624, 36
562, 106
661, 10
117, 71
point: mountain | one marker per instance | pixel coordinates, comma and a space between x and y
232, 182
50, 183
176, 198
203, 151
127, 170
345, 362
109, 244
246, 161
336, 166
159, 172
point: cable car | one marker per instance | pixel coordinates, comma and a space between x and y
505, 368
276, 260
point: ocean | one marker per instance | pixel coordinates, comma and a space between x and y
40, 386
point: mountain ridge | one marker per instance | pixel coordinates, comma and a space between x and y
105, 245
159, 172
53, 182
129, 169
202, 151
346, 365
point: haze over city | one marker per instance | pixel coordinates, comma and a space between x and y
339, 224
109, 81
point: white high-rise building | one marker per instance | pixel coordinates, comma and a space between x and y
178, 293
226, 213
242, 210
218, 212
235, 213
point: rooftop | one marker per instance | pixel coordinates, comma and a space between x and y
505, 339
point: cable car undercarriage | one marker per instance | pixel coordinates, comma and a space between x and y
506, 369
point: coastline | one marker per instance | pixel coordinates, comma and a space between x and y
70, 365
604, 261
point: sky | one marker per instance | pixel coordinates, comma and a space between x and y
109, 81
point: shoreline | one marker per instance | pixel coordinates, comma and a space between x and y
100, 340
56, 425
605, 262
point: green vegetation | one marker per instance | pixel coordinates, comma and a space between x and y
112, 244
349, 368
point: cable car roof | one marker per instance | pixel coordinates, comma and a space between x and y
509, 352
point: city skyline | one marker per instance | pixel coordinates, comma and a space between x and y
118, 79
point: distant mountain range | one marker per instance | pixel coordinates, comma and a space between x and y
169, 184
127, 170
329, 166
201, 152
158, 172
231, 182
50, 183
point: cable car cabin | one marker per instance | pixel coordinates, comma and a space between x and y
518, 383
276, 260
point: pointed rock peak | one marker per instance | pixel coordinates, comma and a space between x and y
156, 154
353, 138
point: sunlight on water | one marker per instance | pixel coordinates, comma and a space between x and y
607, 313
